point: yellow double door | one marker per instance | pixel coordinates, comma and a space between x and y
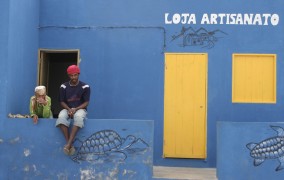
185, 105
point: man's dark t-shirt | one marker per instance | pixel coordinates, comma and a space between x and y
74, 96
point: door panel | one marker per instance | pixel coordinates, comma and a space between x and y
185, 105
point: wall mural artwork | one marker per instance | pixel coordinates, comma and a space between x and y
108, 145
271, 148
200, 37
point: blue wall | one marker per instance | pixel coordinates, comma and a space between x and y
236, 161
21, 62
4, 29
122, 45
36, 151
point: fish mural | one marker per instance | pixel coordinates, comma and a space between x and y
271, 148
107, 145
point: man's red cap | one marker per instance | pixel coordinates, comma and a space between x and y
73, 69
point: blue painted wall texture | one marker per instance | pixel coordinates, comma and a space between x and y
122, 45
251, 151
106, 149
4, 19
19, 65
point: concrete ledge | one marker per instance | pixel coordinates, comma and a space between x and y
163, 172
237, 143
106, 149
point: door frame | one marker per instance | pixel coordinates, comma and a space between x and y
51, 71
42, 52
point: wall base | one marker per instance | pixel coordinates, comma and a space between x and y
106, 149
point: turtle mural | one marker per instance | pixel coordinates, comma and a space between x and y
106, 145
271, 148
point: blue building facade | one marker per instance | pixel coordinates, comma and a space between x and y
122, 45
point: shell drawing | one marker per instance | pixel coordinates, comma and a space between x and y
271, 148
105, 143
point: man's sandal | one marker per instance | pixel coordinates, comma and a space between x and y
69, 152
72, 151
66, 150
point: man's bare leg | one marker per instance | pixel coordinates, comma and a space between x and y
65, 132
73, 133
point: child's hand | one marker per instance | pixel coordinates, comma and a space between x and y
35, 119
41, 101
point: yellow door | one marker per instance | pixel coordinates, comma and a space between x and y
185, 105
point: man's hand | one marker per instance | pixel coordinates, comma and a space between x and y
71, 112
